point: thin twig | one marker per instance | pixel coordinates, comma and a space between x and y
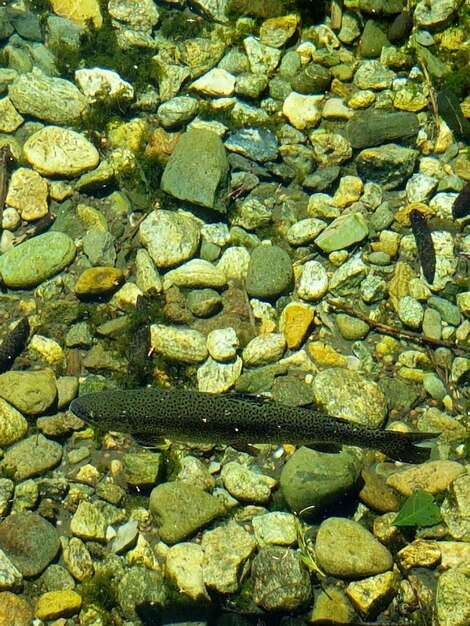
396, 332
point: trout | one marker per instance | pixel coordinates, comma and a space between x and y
149, 414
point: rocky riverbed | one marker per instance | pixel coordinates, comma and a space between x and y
268, 197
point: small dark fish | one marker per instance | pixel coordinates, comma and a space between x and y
200, 417
14, 344
461, 206
449, 108
400, 28
424, 244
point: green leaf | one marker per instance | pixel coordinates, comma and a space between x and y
419, 510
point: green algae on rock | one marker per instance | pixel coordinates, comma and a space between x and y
37, 259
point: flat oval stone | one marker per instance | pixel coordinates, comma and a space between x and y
37, 259
56, 151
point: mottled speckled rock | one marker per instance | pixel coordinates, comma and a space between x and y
10, 576
37, 259
246, 485
276, 529
88, 522
311, 281
180, 510
54, 100
434, 476
226, 550
184, 568
264, 349
169, 237
31, 457
452, 606
14, 610
13, 425
29, 541
373, 595
56, 151
350, 395
215, 377
31, 392
181, 344
387, 165
281, 580
195, 273
346, 549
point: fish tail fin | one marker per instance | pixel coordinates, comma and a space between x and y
406, 447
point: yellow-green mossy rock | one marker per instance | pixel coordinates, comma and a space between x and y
96, 281
55, 604
79, 11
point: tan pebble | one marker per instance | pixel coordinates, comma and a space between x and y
434, 477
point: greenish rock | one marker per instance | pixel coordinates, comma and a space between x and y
31, 457
346, 549
387, 165
350, 327
204, 302
142, 470
88, 523
292, 391
140, 587
180, 510
448, 311
314, 78
432, 325
434, 386
197, 170
281, 581
259, 379
343, 232
350, 395
382, 217
226, 551
379, 258
453, 591
26, 495
55, 578
376, 127
410, 311
269, 273
348, 277
373, 40
36, 259
13, 425
29, 541
31, 392
312, 480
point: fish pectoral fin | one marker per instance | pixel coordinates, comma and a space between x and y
150, 441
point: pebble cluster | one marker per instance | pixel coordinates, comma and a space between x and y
233, 215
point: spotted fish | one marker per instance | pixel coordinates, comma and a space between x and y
195, 416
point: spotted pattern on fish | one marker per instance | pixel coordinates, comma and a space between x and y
196, 416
